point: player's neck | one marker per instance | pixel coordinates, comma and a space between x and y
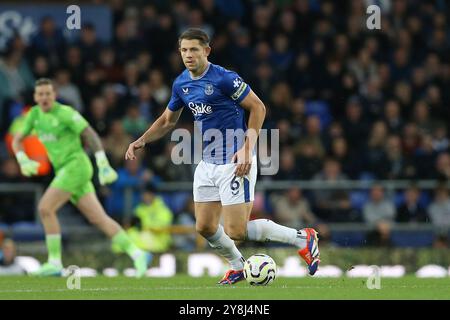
50, 108
199, 71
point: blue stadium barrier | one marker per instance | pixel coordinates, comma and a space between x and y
412, 238
349, 238
27, 231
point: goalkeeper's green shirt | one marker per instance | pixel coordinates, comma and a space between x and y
59, 130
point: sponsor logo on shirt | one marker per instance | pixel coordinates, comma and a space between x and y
185, 90
47, 137
199, 108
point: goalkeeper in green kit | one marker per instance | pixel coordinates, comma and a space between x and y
61, 129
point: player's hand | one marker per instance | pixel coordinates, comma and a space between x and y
28, 167
136, 145
106, 174
243, 159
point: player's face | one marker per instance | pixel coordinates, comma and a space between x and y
194, 55
44, 96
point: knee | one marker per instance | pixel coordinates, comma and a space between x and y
235, 233
45, 211
205, 230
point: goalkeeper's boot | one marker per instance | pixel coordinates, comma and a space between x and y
232, 276
48, 270
311, 253
142, 263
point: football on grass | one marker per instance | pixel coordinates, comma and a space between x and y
260, 270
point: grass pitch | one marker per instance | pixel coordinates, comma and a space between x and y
182, 287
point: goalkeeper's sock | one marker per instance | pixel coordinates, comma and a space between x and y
121, 240
53, 242
225, 246
267, 230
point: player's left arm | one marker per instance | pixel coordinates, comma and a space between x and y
106, 174
257, 111
28, 167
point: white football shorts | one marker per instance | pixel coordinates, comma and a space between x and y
214, 182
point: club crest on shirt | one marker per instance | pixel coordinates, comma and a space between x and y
209, 89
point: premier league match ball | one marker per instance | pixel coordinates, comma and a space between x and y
260, 270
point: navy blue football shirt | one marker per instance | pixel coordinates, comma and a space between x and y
213, 98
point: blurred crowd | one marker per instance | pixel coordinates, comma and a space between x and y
350, 103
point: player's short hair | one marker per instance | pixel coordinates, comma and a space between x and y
195, 34
43, 82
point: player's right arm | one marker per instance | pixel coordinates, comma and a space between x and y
158, 129
28, 167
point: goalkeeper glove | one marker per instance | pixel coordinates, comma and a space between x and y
106, 174
28, 167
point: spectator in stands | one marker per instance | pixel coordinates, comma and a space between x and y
133, 123
378, 208
439, 213
49, 41
379, 214
411, 210
99, 116
375, 146
41, 68
166, 168
125, 192
160, 91
424, 157
355, 127
110, 70
394, 165
422, 118
292, 209
116, 143
186, 240
15, 76
410, 139
332, 204
89, 44
443, 166
393, 117
8, 261
441, 141
67, 91
309, 160
150, 226
288, 170
74, 63
145, 102
350, 161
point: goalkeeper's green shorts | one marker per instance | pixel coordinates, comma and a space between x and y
75, 177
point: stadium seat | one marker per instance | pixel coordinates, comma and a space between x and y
320, 109
358, 199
